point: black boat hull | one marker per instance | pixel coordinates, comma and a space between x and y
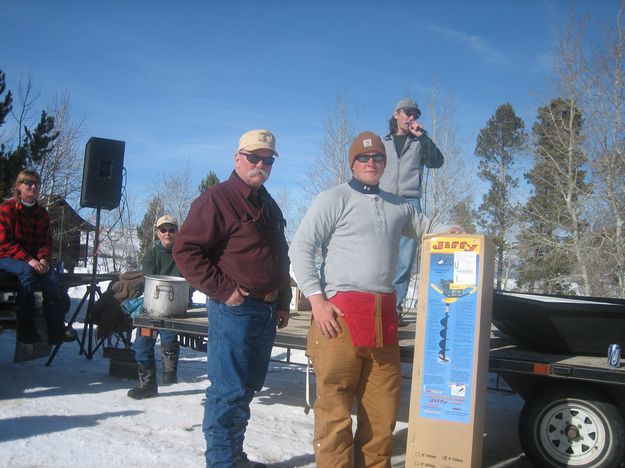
569, 325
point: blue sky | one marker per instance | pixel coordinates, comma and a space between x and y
181, 81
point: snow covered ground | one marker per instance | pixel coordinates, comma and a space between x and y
74, 414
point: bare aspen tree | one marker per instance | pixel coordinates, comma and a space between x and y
289, 210
338, 136
603, 85
131, 251
580, 143
61, 169
556, 237
176, 191
28, 140
118, 243
448, 186
569, 167
24, 110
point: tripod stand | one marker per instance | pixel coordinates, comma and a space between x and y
89, 297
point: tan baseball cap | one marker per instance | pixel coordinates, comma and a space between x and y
166, 219
258, 139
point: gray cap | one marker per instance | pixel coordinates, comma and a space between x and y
406, 104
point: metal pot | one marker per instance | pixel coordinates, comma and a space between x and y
165, 296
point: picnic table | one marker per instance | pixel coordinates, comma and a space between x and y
293, 336
9, 284
8, 281
8, 306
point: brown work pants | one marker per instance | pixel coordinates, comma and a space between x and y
342, 372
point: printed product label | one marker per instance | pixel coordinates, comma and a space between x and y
450, 330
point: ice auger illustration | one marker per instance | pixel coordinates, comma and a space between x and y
451, 292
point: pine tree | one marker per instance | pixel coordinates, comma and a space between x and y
6, 105
463, 215
497, 144
208, 181
7, 172
553, 211
145, 231
30, 151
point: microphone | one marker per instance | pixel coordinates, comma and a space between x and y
421, 129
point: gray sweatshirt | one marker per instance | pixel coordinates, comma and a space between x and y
358, 237
403, 174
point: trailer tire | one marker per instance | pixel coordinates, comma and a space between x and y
560, 426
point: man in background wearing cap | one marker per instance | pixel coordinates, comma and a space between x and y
409, 150
232, 248
352, 340
157, 261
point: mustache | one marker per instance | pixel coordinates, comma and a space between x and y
256, 171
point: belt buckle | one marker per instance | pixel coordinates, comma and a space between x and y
270, 296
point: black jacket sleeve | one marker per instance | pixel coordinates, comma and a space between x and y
430, 154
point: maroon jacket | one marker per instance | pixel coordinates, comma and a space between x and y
229, 239
24, 234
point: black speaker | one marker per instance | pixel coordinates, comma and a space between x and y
102, 173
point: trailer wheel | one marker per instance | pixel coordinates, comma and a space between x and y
580, 427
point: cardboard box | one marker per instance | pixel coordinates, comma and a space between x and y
450, 370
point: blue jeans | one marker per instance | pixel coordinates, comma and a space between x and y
407, 252
144, 346
28, 279
239, 347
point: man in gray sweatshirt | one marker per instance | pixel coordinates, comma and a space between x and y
352, 340
409, 151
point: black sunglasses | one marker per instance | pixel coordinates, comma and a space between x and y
169, 230
364, 158
255, 159
412, 113
30, 183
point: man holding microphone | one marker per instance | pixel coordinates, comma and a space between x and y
409, 151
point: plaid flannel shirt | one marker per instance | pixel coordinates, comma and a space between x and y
24, 236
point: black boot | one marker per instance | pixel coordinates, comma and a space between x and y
58, 335
146, 388
69, 335
54, 318
170, 353
241, 461
27, 332
26, 327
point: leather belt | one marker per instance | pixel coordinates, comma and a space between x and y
267, 298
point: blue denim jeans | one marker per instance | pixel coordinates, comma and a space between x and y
239, 347
407, 252
28, 279
144, 346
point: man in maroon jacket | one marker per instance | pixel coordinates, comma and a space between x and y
232, 248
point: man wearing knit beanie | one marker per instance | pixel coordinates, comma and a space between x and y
366, 142
352, 341
409, 151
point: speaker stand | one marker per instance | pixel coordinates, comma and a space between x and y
90, 297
